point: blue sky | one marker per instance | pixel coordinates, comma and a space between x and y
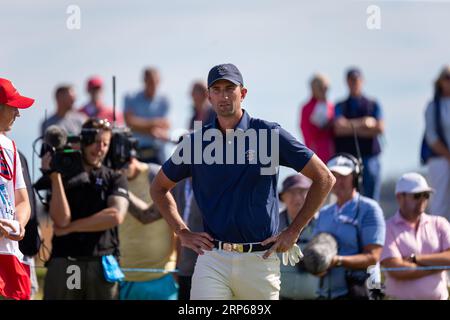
277, 45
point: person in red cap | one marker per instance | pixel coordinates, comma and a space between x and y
95, 108
14, 204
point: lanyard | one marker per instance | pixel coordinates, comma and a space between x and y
5, 170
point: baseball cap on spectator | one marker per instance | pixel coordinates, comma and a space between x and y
225, 71
354, 72
295, 181
342, 165
412, 183
94, 82
11, 97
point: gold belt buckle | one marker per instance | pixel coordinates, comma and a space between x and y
233, 247
227, 246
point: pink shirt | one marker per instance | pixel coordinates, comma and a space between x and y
319, 140
433, 236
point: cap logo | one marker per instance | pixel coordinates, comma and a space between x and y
222, 69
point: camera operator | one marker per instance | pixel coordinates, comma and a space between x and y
86, 211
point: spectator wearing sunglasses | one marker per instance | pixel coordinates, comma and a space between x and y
416, 239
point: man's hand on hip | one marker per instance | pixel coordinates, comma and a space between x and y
282, 242
197, 241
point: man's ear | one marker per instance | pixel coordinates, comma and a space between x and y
243, 93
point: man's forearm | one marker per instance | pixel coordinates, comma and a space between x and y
345, 127
59, 206
101, 221
23, 212
168, 208
409, 274
434, 259
140, 125
22, 206
439, 148
359, 261
143, 212
315, 198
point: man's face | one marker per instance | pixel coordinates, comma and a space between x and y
343, 185
151, 81
94, 153
67, 99
226, 97
445, 85
355, 85
413, 203
7, 117
95, 93
199, 95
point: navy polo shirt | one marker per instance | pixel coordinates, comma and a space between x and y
238, 203
352, 108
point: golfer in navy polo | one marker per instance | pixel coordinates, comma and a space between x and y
234, 164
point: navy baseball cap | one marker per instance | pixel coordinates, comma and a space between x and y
226, 71
295, 181
354, 73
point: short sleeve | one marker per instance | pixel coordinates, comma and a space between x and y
430, 125
377, 112
165, 106
119, 185
338, 112
127, 104
444, 232
20, 182
293, 154
373, 226
390, 249
177, 168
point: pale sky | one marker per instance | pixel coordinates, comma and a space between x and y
277, 45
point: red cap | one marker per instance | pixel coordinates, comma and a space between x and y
94, 82
11, 97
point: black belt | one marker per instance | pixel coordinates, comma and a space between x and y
240, 247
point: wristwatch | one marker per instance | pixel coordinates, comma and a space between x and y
339, 261
413, 257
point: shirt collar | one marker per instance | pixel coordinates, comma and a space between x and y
346, 204
398, 219
243, 124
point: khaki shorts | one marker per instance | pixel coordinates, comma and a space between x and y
224, 275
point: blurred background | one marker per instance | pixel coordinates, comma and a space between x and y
277, 46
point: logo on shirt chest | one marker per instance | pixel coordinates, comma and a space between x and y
250, 155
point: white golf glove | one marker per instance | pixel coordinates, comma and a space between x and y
293, 255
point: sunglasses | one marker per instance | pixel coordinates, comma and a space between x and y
420, 195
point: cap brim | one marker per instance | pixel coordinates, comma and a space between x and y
20, 102
416, 190
225, 78
345, 171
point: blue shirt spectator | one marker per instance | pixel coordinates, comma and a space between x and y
146, 114
356, 224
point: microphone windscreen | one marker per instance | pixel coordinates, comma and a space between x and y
55, 136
